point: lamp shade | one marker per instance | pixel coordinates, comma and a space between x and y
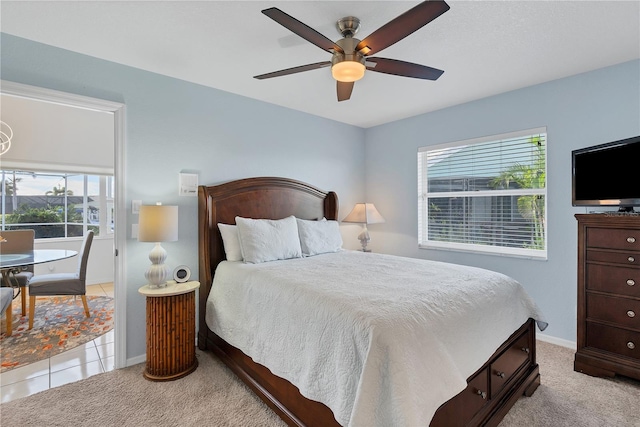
158, 223
364, 213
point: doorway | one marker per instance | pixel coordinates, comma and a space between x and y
117, 113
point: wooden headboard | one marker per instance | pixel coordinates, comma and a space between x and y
259, 198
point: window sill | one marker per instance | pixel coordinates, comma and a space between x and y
495, 251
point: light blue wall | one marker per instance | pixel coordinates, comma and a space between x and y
175, 126
579, 111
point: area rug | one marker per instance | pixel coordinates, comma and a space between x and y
59, 325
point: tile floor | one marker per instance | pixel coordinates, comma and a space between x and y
92, 358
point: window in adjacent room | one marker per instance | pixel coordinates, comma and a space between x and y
486, 194
57, 205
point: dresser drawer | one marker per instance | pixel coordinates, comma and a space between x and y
612, 279
621, 311
508, 363
615, 340
630, 258
613, 238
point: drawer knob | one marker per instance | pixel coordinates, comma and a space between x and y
525, 349
631, 259
631, 313
631, 345
500, 374
631, 282
631, 239
482, 394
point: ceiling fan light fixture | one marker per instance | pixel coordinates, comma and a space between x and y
347, 71
348, 63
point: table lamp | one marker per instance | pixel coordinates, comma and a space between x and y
364, 213
158, 223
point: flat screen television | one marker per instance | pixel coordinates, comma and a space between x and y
607, 175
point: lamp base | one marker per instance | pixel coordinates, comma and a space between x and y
158, 286
157, 273
364, 238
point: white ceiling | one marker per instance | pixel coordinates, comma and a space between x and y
485, 47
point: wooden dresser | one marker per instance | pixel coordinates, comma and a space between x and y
608, 295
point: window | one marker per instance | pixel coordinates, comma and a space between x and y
486, 195
57, 205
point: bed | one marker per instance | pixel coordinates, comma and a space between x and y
491, 390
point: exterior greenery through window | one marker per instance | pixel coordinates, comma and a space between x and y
57, 205
486, 194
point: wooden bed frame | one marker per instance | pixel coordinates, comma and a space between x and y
511, 372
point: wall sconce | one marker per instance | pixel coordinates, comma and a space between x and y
158, 223
364, 213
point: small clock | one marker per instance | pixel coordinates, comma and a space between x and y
181, 274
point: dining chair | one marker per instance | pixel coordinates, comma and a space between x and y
62, 283
6, 299
18, 242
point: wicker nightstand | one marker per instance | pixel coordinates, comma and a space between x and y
171, 330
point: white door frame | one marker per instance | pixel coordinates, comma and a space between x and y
119, 118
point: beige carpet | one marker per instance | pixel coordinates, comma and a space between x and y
212, 396
570, 399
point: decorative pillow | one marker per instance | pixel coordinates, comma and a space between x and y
264, 240
319, 237
230, 241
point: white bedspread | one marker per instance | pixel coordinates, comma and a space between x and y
360, 332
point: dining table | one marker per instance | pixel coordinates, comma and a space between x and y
11, 263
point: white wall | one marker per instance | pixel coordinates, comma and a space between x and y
57, 137
579, 111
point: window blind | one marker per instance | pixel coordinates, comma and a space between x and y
486, 194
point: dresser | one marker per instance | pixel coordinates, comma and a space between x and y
608, 341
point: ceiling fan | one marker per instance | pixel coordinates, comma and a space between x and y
352, 56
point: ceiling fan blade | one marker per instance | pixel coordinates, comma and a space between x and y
293, 70
344, 90
302, 30
400, 27
402, 68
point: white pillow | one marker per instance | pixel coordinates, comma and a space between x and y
230, 241
264, 240
319, 237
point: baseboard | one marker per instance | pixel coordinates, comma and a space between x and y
135, 360
557, 341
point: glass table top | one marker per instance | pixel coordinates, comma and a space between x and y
37, 256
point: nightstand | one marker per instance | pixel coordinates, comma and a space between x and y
171, 330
